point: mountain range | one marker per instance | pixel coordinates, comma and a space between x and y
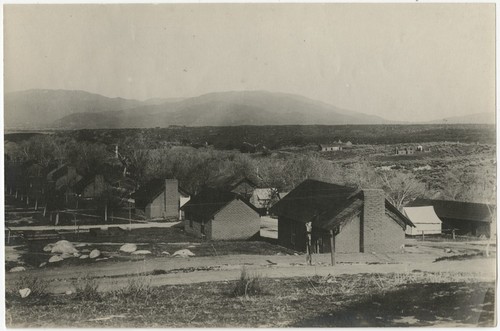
64, 109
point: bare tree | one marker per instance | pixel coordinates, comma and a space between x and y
401, 188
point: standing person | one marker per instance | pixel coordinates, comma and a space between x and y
308, 243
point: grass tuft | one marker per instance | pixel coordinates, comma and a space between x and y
87, 289
248, 285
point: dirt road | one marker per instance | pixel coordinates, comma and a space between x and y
165, 271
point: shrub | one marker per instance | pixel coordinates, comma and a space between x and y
87, 289
248, 285
37, 286
137, 290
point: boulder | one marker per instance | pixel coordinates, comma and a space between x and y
95, 253
55, 258
24, 292
64, 246
76, 254
17, 269
65, 256
48, 247
165, 253
141, 252
68, 292
43, 264
128, 248
84, 256
183, 253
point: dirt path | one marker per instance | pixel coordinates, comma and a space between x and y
167, 271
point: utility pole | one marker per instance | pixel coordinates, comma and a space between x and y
332, 246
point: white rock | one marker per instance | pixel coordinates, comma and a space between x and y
165, 253
43, 264
17, 269
76, 254
84, 256
141, 252
183, 253
128, 248
48, 247
95, 253
64, 246
24, 292
68, 292
102, 259
65, 256
55, 258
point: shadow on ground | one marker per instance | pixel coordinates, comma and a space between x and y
444, 304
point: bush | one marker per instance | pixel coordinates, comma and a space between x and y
37, 286
87, 289
248, 285
137, 290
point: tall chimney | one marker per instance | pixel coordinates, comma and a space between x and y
372, 235
172, 199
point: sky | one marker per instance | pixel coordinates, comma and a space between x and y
404, 62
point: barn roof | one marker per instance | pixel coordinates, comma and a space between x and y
326, 205
228, 181
312, 198
459, 210
209, 201
422, 215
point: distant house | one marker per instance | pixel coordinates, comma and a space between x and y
360, 220
425, 219
233, 183
158, 199
92, 186
465, 217
404, 150
264, 198
330, 148
61, 181
220, 215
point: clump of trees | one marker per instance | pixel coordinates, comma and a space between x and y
195, 167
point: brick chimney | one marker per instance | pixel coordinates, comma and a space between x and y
373, 221
172, 201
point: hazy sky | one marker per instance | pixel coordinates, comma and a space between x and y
400, 61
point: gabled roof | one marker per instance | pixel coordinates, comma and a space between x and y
228, 182
58, 172
312, 198
150, 191
209, 201
327, 205
459, 210
422, 215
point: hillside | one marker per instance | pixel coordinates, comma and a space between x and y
37, 109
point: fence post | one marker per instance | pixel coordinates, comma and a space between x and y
423, 235
332, 246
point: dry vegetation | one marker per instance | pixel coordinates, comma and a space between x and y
411, 299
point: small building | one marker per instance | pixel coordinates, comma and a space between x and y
466, 218
425, 219
233, 183
92, 186
358, 220
158, 199
330, 148
220, 215
264, 198
404, 150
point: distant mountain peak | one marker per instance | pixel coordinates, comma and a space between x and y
79, 109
